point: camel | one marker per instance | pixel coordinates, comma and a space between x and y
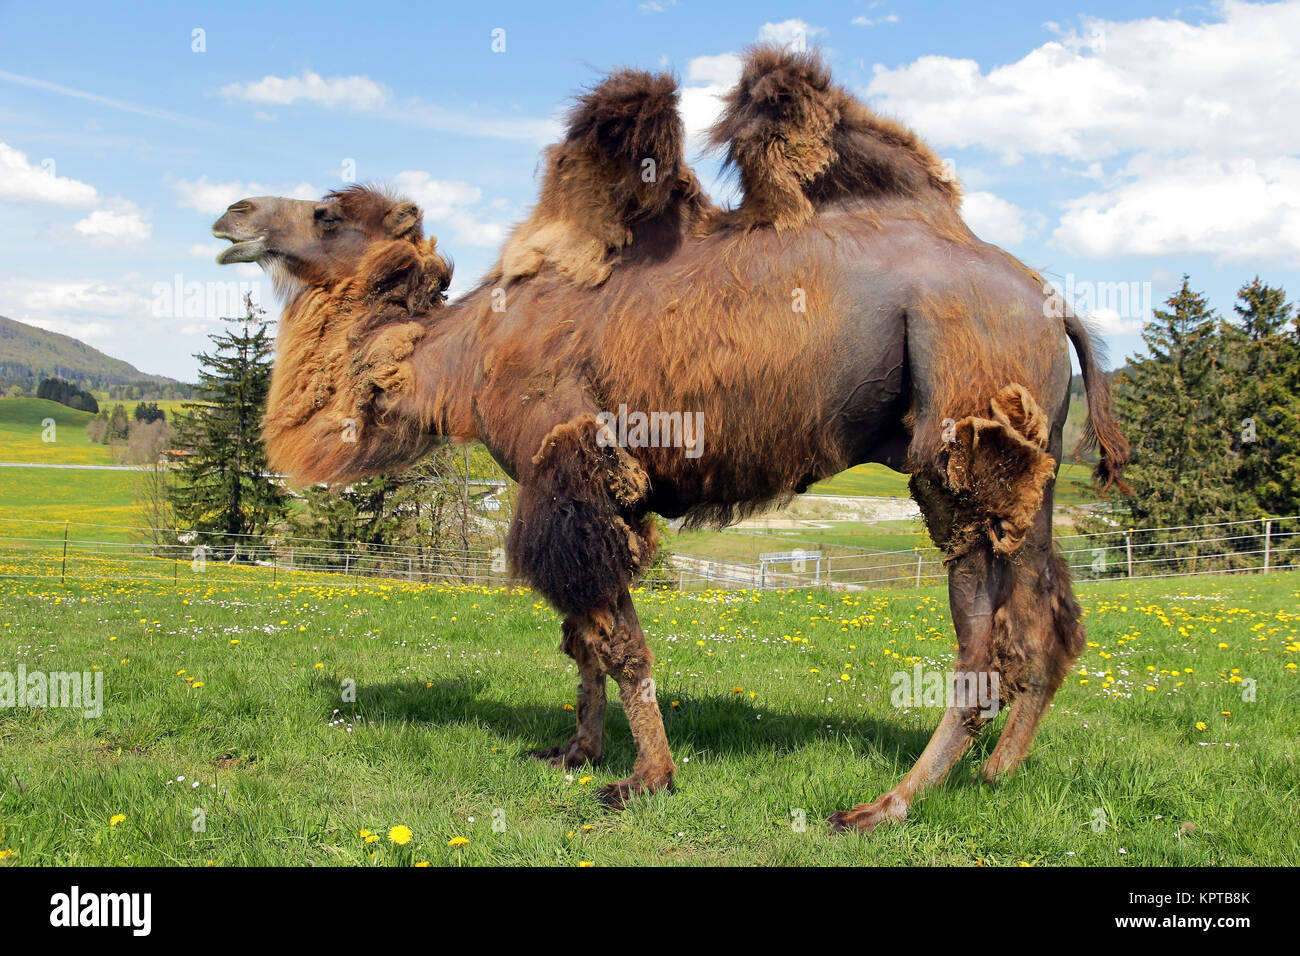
843, 313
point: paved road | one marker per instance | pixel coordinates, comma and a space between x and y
47, 464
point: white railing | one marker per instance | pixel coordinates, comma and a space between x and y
72, 551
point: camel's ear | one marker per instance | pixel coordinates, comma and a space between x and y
404, 221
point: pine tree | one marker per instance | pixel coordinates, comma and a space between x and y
224, 486
1261, 355
1176, 412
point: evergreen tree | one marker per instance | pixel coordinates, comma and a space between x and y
1177, 416
224, 485
148, 412
1261, 355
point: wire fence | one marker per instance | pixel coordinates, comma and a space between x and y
77, 551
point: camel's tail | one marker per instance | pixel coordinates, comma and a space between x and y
1102, 429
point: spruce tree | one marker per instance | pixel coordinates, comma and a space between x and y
224, 486
1261, 355
1177, 417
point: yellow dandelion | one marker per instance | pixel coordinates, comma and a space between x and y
400, 835
457, 841
116, 819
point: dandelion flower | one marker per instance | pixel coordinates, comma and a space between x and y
116, 819
457, 841
400, 835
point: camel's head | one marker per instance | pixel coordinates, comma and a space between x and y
306, 243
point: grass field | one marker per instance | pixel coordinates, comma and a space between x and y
775, 704
34, 502
1073, 486
23, 434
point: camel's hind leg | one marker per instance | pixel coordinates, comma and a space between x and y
1016, 620
976, 583
1050, 638
588, 744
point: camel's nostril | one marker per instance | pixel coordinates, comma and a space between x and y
243, 205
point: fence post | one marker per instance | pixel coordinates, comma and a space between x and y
63, 574
1268, 539
1128, 550
919, 559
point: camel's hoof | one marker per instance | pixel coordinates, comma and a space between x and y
565, 758
615, 795
865, 817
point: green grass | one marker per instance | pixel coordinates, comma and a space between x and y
23, 434
453, 686
34, 503
1073, 487
727, 545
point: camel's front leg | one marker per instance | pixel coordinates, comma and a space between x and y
588, 744
629, 662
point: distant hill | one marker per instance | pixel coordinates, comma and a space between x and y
28, 354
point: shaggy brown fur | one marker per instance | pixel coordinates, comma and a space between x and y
882, 332
619, 173
344, 355
998, 465
577, 538
800, 143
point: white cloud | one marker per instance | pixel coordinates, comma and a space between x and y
449, 202
792, 32
1156, 85
709, 79
865, 21
48, 303
1235, 210
114, 227
23, 181
348, 92
1108, 321
994, 219
212, 198
364, 94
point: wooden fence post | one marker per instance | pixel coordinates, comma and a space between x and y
63, 574
1268, 540
1128, 550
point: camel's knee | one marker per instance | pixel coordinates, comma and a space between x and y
577, 535
992, 478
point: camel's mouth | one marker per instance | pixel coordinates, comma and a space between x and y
241, 249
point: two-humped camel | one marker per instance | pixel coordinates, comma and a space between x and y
844, 313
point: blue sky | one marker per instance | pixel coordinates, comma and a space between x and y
1113, 146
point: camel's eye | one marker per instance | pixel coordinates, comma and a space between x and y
327, 216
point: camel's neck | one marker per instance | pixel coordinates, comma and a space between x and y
358, 390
